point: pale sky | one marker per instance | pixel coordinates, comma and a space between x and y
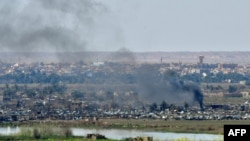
182, 25
137, 25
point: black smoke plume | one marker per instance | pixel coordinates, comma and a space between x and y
156, 85
195, 90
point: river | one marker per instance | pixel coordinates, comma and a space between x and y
122, 133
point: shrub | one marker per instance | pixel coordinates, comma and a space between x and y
36, 134
67, 132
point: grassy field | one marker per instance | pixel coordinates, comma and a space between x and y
224, 100
45, 132
11, 138
19, 138
181, 126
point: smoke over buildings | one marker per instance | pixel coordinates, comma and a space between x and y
156, 87
61, 26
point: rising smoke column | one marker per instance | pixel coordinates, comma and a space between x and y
196, 91
156, 87
198, 96
53, 25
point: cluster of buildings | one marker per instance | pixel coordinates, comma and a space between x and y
63, 107
57, 108
106, 67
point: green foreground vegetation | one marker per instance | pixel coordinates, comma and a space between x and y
60, 130
180, 126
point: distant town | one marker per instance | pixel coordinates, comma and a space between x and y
123, 87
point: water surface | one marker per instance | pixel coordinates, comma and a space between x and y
121, 134
124, 133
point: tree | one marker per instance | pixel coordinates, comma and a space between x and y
163, 105
77, 94
9, 91
186, 105
30, 93
232, 89
153, 107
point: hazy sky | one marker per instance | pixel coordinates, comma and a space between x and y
138, 25
183, 25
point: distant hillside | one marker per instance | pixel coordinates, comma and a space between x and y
135, 57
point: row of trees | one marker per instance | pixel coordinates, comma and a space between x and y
163, 106
89, 77
117, 75
229, 89
39, 77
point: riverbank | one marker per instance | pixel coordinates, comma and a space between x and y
48, 132
179, 126
20, 138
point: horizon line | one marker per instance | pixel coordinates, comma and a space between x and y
117, 51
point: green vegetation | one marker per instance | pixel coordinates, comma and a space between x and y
224, 100
77, 94
42, 132
59, 130
179, 126
153, 107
